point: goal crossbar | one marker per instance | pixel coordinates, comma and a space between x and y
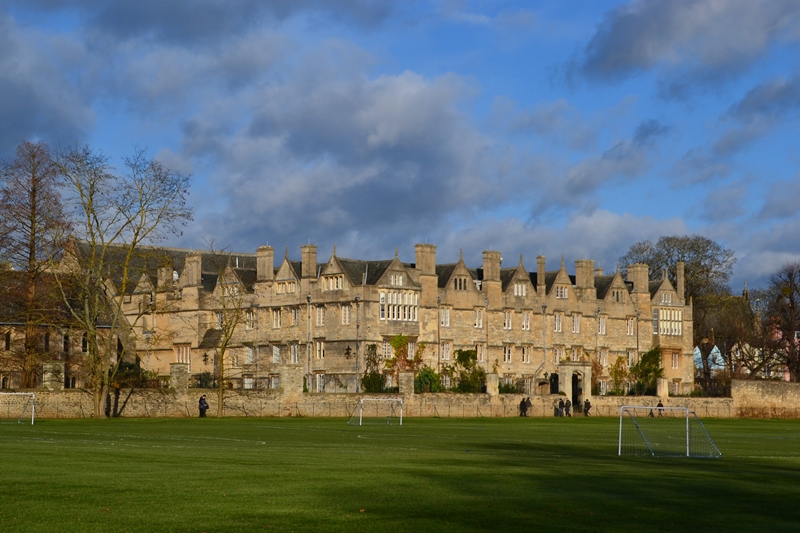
395, 409
29, 403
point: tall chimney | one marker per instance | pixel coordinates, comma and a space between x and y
541, 284
308, 254
491, 265
265, 262
637, 273
426, 258
584, 273
165, 270
193, 270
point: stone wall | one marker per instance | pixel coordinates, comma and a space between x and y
766, 399
754, 399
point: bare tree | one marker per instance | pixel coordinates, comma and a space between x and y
114, 215
32, 220
228, 304
782, 319
707, 269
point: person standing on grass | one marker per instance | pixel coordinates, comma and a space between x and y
561, 407
528, 406
568, 408
586, 406
203, 406
660, 409
523, 408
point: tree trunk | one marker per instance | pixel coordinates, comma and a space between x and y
220, 386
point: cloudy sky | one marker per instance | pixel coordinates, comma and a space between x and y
560, 127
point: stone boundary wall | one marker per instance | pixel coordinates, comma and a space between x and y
766, 399
750, 399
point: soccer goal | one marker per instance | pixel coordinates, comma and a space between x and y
18, 405
377, 410
663, 432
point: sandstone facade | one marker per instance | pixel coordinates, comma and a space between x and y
537, 328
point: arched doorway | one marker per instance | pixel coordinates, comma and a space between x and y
577, 388
553, 383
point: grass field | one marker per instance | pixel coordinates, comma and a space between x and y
195, 475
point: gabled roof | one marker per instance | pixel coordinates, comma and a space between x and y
550, 279
357, 270
445, 272
507, 275
602, 284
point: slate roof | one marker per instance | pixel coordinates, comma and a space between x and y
602, 284
149, 258
357, 269
654, 286
444, 272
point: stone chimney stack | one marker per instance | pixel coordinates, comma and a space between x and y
309, 260
491, 265
541, 284
265, 262
193, 270
681, 282
584, 273
637, 273
165, 270
426, 258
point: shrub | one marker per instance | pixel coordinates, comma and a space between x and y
511, 388
427, 381
204, 380
373, 382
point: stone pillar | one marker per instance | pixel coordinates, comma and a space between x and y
292, 380
53, 375
565, 382
406, 383
179, 377
492, 384
662, 388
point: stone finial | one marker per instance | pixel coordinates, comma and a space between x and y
286, 254
334, 249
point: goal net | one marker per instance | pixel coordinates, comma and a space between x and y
19, 406
377, 410
663, 432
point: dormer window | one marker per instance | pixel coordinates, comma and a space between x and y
666, 297
562, 292
616, 295
396, 280
333, 283
460, 284
285, 287
519, 289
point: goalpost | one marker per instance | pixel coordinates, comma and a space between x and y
21, 405
378, 410
663, 432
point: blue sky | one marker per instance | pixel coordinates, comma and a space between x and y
556, 127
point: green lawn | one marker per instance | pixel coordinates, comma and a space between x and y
533, 474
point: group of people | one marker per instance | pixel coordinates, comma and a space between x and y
525, 407
564, 408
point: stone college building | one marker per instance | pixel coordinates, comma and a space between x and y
536, 329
